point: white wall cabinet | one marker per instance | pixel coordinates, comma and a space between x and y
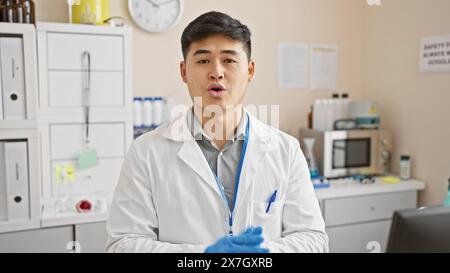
80, 66
18, 123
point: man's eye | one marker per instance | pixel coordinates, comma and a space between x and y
203, 62
229, 61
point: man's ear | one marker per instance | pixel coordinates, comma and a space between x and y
251, 70
183, 71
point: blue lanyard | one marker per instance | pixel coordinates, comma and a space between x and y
238, 177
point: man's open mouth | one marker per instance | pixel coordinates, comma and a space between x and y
216, 90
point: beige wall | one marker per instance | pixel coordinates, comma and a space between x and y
157, 56
415, 106
378, 59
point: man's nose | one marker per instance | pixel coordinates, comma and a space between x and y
217, 73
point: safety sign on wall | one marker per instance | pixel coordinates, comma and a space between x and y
435, 54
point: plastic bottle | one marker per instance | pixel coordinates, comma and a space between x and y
310, 159
345, 103
137, 112
405, 167
317, 114
447, 200
157, 109
335, 110
147, 113
329, 114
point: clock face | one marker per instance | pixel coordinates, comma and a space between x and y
156, 15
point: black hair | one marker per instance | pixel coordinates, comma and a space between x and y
212, 23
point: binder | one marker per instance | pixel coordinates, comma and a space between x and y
17, 188
13, 78
1, 94
3, 210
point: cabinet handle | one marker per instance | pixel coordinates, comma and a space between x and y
87, 91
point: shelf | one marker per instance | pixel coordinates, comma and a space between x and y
18, 124
83, 28
70, 218
18, 133
6, 226
17, 28
54, 217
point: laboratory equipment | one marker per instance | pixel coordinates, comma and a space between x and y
147, 113
137, 112
89, 11
320, 182
365, 113
405, 167
28, 12
312, 164
326, 112
350, 152
157, 108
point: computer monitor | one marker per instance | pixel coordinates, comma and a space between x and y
420, 230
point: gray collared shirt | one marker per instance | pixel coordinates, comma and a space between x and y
223, 163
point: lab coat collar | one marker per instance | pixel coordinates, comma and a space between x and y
197, 131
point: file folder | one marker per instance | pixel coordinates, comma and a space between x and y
17, 188
13, 78
1, 94
3, 210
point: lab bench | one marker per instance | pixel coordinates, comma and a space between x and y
358, 216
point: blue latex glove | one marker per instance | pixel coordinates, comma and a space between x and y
247, 242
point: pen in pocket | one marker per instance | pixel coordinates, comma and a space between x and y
271, 200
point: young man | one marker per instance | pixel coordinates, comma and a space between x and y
216, 179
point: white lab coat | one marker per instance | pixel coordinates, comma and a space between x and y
167, 199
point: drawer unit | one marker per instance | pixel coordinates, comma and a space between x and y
65, 51
47, 240
366, 208
92, 237
364, 237
101, 178
67, 140
66, 90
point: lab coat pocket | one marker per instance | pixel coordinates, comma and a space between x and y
271, 221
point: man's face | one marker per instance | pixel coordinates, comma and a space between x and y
217, 70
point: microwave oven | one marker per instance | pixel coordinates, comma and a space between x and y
350, 152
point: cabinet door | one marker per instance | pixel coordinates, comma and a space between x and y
65, 51
367, 208
56, 240
91, 237
65, 89
360, 238
67, 140
101, 178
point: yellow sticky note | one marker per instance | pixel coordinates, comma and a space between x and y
70, 172
390, 179
58, 170
64, 173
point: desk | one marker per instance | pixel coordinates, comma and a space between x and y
358, 216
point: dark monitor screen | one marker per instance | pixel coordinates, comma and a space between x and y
420, 230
